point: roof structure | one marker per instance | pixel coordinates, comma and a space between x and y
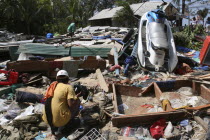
139, 9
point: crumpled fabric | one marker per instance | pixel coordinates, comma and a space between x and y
115, 67
130, 60
50, 90
183, 69
205, 68
22, 96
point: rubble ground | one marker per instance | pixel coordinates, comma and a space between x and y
124, 102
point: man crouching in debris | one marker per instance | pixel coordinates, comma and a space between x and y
61, 103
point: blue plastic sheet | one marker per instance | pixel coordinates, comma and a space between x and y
205, 68
118, 40
166, 85
101, 37
184, 122
183, 49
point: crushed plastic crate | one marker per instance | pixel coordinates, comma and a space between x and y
93, 134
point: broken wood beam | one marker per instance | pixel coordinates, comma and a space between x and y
102, 81
107, 113
201, 122
114, 101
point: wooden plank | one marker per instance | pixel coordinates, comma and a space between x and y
205, 92
198, 107
202, 76
128, 90
158, 92
148, 118
201, 122
102, 81
114, 101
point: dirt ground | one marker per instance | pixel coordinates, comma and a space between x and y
134, 104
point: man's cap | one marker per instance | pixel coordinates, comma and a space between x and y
62, 72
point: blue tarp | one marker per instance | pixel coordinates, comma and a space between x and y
101, 37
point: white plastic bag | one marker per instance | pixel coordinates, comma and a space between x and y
168, 130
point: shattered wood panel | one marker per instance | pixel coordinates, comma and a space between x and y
196, 88
111, 59
182, 83
114, 101
170, 114
128, 90
205, 92
29, 66
157, 91
148, 118
131, 90
173, 84
198, 107
102, 81
93, 64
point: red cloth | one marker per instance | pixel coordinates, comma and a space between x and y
114, 67
50, 90
12, 77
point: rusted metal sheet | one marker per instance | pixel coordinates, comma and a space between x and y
148, 118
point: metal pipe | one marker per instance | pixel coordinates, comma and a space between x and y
117, 71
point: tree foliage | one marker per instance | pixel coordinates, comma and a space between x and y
39, 17
203, 13
125, 16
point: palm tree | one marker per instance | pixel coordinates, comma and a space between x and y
177, 2
125, 16
183, 3
203, 13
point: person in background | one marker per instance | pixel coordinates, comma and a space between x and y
61, 103
71, 29
194, 23
207, 25
199, 20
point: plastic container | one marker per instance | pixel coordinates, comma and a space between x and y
49, 35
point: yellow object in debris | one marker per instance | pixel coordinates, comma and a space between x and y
181, 107
165, 103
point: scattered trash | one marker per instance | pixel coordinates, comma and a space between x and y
157, 129
124, 84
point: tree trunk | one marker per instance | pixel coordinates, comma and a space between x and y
28, 29
183, 11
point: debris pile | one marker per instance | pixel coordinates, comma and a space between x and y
122, 100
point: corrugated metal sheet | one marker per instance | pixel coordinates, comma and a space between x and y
139, 9
38, 48
76, 51
88, 51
